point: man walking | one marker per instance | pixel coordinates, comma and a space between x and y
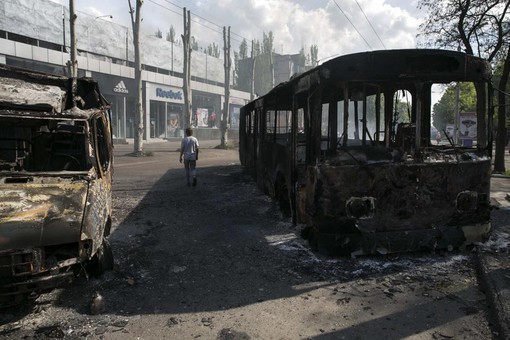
189, 148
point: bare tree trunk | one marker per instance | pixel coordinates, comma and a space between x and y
254, 63
225, 111
135, 21
73, 63
187, 68
499, 157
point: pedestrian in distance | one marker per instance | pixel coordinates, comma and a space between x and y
189, 150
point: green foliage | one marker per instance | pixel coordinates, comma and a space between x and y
213, 50
194, 43
267, 43
302, 58
314, 52
444, 109
243, 49
262, 54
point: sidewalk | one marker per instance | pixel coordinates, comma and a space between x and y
161, 145
493, 260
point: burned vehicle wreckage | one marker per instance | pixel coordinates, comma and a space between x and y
346, 148
56, 162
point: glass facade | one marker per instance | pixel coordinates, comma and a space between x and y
165, 119
119, 92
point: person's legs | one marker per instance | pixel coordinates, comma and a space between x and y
187, 167
193, 171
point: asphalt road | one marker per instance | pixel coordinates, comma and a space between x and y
218, 261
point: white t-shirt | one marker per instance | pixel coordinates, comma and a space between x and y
189, 146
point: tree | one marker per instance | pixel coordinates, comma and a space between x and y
243, 49
135, 21
159, 34
73, 63
187, 47
242, 72
267, 43
213, 50
314, 52
498, 71
481, 26
444, 109
302, 59
264, 74
194, 43
225, 111
238, 56
170, 35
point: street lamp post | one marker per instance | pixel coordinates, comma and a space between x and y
127, 44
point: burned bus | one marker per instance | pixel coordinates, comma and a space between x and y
346, 149
56, 163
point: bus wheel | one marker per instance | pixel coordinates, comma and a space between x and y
102, 261
311, 234
282, 195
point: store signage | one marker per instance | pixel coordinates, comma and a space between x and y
120, 87
168, 94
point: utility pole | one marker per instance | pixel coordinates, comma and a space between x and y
225, 113
127, 48
186, 37
139, 126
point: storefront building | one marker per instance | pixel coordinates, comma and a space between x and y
206, 109
165, 106
235, 105
120, 93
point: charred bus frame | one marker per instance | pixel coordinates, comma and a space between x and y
331, 147
56, 167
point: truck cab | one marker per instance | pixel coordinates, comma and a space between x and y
56, 166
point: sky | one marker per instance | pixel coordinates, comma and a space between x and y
337, 27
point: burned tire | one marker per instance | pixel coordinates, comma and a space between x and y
282, 196
102, 261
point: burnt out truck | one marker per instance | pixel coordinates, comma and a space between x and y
56, 164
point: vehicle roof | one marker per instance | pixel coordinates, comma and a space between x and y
394, 65
26, 93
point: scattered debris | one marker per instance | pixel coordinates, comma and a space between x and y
97, 305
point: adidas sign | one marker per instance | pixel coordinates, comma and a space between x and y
120, 87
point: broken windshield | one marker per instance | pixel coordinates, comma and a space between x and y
43, 145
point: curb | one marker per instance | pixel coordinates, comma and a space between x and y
494, 283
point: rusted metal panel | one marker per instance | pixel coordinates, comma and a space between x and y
97, 212
44, 214
15, 92
382, 204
